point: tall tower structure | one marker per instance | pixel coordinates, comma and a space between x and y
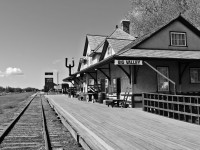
49, 84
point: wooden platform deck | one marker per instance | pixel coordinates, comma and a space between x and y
103, 127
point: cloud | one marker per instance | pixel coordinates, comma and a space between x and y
11, 71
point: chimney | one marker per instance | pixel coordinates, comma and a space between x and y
125, 24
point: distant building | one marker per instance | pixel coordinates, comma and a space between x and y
49, 83
65, 88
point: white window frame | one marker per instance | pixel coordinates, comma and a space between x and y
195, 78
160, 78
177, 42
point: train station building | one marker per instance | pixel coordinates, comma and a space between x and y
161, 65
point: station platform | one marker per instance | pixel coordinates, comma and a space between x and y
100, 127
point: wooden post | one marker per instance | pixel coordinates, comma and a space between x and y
135, 75
133, 101
143, 101
109, 72
132, 86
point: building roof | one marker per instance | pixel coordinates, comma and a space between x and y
93, 41
100, 48
118, 44
161, 54
120, 34
68, 79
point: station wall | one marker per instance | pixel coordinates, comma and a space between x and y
147, 78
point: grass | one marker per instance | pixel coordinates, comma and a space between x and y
8, 102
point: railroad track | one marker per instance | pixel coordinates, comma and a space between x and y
37, 127
26, 130
60, 137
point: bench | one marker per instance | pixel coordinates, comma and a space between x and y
114, 102
121, 101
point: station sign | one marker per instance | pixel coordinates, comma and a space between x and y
128, 62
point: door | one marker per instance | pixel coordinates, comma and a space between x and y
118, 88
163, 84
103, 85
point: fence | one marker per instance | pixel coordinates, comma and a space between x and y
180, 107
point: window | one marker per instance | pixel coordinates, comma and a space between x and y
91, 85
49, 80
178, 38
99, 81
163, 84
91, 81
114, 90
106, 86
195, 75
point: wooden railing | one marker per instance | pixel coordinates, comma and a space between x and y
180, 107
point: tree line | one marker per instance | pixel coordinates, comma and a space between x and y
17, 90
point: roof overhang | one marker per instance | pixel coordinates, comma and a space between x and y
69, 79
160, 54
96, 66
94, 53
142, 54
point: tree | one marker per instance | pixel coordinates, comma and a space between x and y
2, 89
18, 90
146, 15
10, 89
30, 89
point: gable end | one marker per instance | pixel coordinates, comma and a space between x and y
185, 22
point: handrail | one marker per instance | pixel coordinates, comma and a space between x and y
162, 75
172, 95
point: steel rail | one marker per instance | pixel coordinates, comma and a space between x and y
45, 130
11, 125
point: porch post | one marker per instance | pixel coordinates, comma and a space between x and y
132, 86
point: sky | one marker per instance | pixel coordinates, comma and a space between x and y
37, 35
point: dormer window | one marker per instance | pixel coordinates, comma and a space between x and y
178, 39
